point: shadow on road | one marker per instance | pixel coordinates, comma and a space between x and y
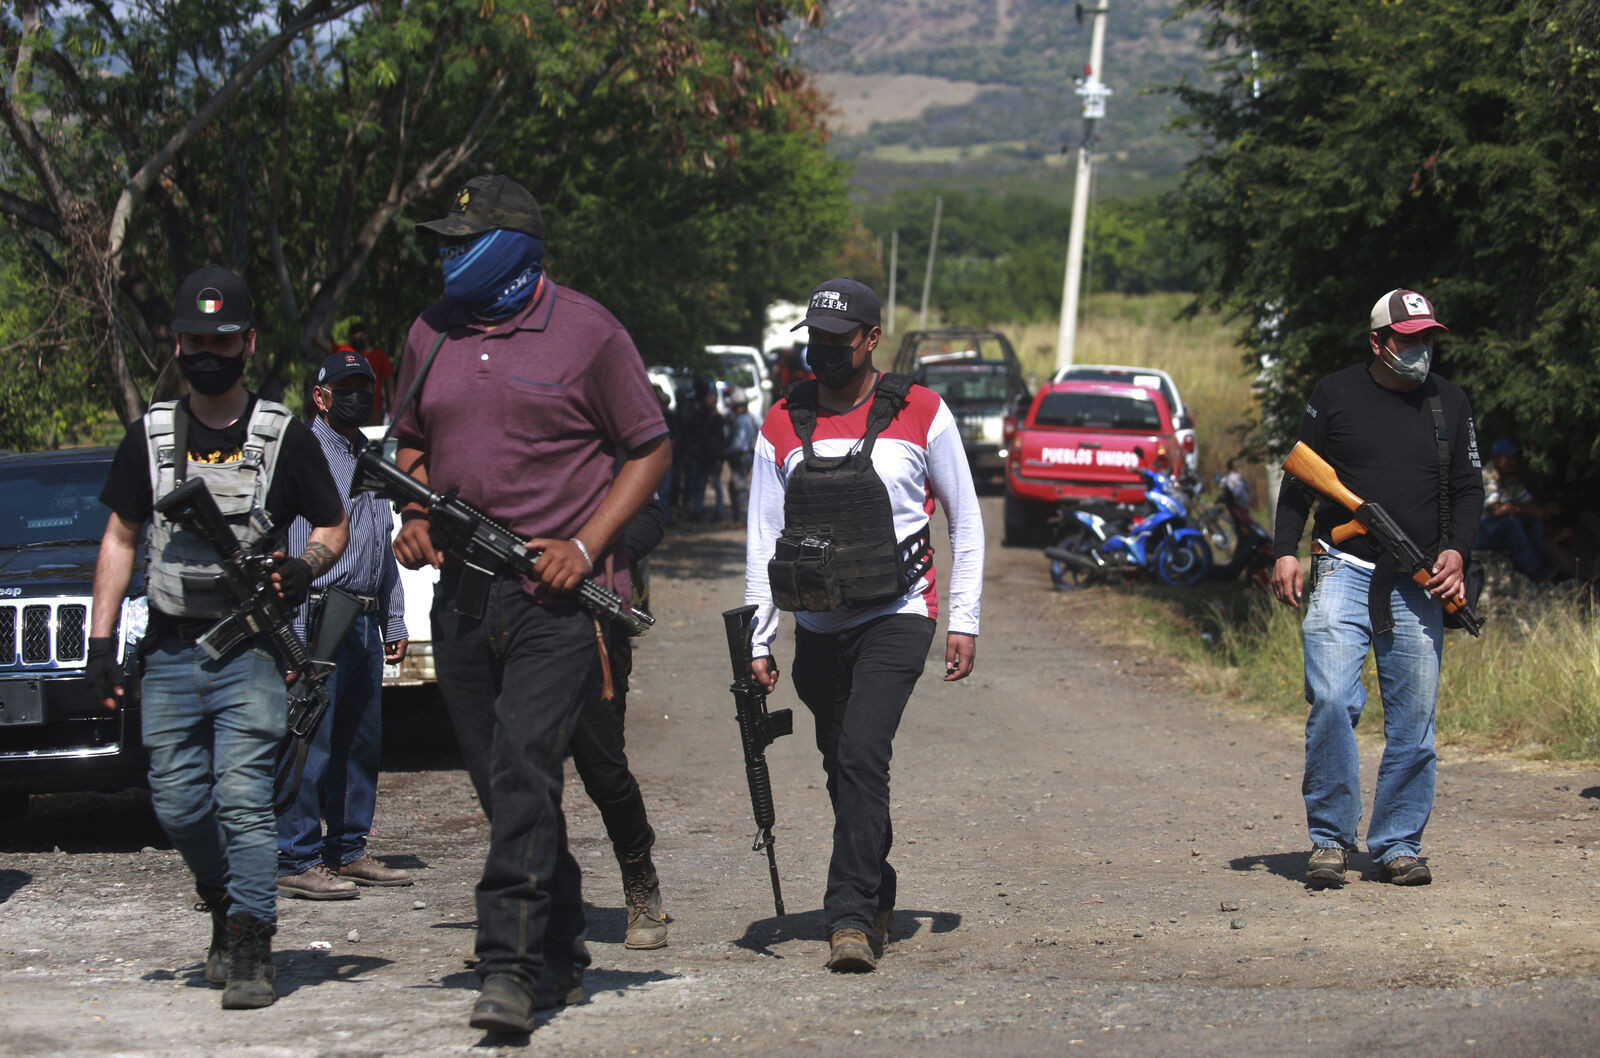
1592, 792
693, 554
1292, 865
760, 936
11, 881
87, 822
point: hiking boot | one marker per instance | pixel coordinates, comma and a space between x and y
882, 922
849, 952
218, 903
1327, 865
317, 883
1405, 870
641, 890
503, 1005
565, 989
367, 871
250, 971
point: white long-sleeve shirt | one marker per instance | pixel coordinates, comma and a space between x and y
920, 460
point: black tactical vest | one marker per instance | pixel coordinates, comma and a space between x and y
838, 547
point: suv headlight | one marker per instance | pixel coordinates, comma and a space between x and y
135, 619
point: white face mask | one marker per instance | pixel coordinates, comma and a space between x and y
1410, 364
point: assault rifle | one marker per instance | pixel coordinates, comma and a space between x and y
1311, 469
247, 578
758, 729
484, 546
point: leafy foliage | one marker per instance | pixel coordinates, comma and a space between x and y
1448, 147
674, 145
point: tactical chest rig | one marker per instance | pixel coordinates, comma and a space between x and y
184, 575
838, 547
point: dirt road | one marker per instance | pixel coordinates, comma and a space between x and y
1092, 861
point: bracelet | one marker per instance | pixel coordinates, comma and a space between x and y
585, 551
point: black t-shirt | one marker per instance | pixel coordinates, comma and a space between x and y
1381, 443
302, 484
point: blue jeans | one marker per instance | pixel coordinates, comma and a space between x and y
340, 782
1337, 633
515, 682
1515, 534
212, 729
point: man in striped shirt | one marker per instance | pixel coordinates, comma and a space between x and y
340, 782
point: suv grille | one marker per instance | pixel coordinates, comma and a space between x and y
44, 633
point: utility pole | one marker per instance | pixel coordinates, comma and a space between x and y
894, 265
927, 277
1094, 93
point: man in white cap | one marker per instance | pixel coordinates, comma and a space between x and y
1402, 437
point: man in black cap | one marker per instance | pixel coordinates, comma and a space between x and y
844, 470
212, 725
534, 390
339, 784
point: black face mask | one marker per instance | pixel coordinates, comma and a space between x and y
209, 374
351, 407
832, 364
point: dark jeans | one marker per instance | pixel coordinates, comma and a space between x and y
514, 684
599, 754
340, 781
856, 684
1521, 535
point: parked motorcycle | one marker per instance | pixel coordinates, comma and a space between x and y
1089, 545
1252, 552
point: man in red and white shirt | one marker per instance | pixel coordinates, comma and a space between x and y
855, 666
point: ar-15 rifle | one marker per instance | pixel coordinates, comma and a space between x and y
247, 578
1311, 469
484, 546
758, 729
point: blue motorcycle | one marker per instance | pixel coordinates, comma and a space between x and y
1091, 545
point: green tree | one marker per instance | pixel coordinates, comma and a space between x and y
1351, 147
676, 144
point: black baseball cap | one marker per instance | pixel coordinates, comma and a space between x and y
212, 300
343, 365
485, 203
839, 306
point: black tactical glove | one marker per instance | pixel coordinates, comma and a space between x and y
101, 671
294, 580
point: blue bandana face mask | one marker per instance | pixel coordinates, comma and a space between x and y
495, 274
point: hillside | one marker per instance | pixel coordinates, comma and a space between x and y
979, 92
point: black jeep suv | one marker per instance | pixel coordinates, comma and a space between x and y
53, 737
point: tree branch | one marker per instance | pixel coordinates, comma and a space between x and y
32, 214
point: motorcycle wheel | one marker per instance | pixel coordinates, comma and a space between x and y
1064, 575
1182, 562
1218, 529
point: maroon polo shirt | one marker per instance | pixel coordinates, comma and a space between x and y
522, 420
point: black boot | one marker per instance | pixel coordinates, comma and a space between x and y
218, 903
641, 890
250, 970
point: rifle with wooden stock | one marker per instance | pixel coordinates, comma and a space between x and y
1370, 518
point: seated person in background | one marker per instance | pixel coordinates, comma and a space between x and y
1513, 521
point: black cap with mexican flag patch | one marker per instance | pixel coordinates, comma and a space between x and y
212, 300
1405, 311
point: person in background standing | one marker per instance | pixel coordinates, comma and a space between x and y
741, 454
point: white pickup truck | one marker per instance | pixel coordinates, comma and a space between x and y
416, 668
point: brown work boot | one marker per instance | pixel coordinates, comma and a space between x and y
882, 923
367, 871
849, 952
318, 883
641, 890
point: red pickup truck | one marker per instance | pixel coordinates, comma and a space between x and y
1086, 442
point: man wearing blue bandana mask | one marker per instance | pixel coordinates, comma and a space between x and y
1401, 437
534, 392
